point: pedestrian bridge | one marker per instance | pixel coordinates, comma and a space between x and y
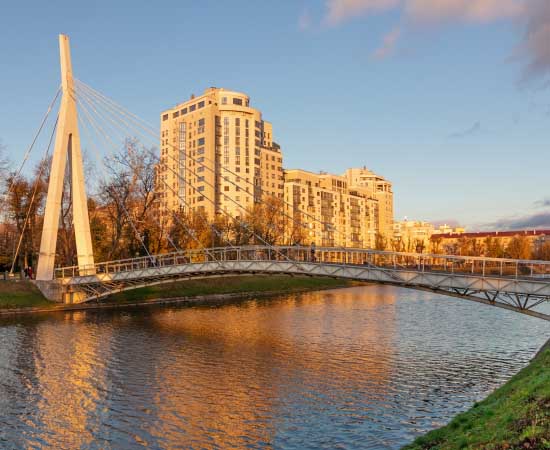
518, 285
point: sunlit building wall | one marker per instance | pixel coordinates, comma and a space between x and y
332, 213
217, 155
376, 187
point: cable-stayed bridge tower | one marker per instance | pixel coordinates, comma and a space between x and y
67, 148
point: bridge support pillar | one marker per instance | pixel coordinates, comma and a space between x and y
67, 146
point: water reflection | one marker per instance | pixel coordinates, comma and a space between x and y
367, 367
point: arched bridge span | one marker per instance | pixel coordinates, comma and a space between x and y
518, 285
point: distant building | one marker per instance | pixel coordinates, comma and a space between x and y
216, 153
529, 244
416, 236
411, 236
376, 187
334, 210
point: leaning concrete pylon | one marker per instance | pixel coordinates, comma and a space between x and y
67, 147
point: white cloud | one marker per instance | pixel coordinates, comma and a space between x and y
480, 11
535, 46
339, 11
388, 44
533, 15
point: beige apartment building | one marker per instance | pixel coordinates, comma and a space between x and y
217, 155
334, 212
418, 236
378, 188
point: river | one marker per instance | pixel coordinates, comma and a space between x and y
363, 367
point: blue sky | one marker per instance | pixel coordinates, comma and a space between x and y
442, 102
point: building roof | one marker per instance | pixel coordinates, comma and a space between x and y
482, 234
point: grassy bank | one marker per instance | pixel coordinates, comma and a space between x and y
21, 294
516, 416
228, 285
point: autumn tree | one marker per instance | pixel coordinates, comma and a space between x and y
519, 247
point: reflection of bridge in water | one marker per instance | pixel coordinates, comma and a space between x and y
512, 284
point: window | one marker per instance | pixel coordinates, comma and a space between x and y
226, 188
184, 111
200, 151
201, 104
200, 169
176, 114
192, 108
165, 117
200, 189
237, 122
201, 122
224, 100
200, 141
238, 101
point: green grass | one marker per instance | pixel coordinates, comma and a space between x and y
227, 285
21, 294
516, 416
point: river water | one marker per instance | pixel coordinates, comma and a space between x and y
363, 367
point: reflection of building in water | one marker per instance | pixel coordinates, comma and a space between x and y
222, 372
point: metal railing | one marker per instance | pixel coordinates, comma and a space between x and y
452, 264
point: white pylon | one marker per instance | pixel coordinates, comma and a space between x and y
67, 146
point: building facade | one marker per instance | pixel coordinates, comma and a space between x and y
329, 211
376, 187
217, 156
517, 244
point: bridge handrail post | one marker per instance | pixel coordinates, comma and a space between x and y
501, 268
483, 268
517, 269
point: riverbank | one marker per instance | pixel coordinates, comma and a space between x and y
515, 416
24, 298
21, 294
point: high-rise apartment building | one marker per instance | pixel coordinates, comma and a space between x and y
378, 188
329, 211
217, 155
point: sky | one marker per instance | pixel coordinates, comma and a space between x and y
448, 99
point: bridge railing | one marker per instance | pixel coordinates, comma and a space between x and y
452, 264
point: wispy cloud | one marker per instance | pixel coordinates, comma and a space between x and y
472, 11
534, 48
528, 222
388, 44
544, 203
533, 16
428, 11
305, 21
471, 131
338, 11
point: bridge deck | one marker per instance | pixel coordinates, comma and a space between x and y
512, 284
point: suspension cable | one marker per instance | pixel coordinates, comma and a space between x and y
29, 149
97, 126
37, 183
103, 166
90, 91
121, 130
245, 225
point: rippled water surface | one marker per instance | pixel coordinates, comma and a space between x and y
365, 367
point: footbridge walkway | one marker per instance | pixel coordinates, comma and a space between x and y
518, 285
